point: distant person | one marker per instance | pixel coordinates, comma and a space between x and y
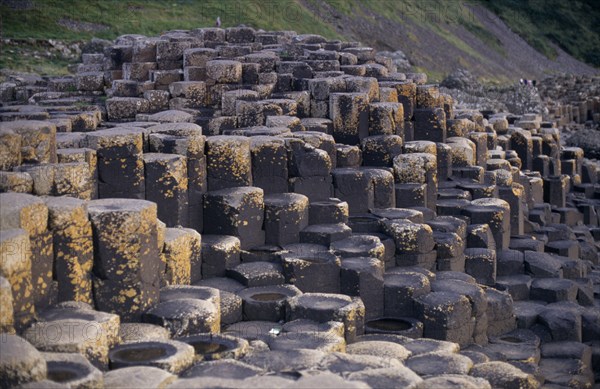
521, 81
218, 23
534, 83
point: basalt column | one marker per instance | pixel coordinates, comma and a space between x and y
127, 264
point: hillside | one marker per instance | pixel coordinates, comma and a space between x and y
437, 37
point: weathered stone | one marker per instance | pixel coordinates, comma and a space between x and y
127, 264
323, 307
169, 355
228, 162
181, 255
238, 212
73, 248
20, 362
37, 142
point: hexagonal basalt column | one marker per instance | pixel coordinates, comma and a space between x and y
269, 164
219, 253
312, 271
267, 303
127, 263
37, 142
418, 168
430, 124
496, 214
328, 212
20, 362
414, 243
30, 214
120, 163
186, 316
72, 335
380, 150
324, 307
359, 246
286, 215
238, 212
363, 277
73, 248
10, 149
386, 119
181, 256
354, 187
521, 142
229, 162
446, 316
350, 115
15, 268
169, 355
224, 71
167, 186
400, 291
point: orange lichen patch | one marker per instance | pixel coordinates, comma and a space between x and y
24, 211
85, 337
229, 159
415, 168
73, 247
73, 179
38, 139
128, 139
15, 252
6, 307
171, 171
179, 252
125, 233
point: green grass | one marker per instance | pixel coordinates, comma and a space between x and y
112, 18
486, 37
438, 16
432, 76
118, 17
23, 59
572, 25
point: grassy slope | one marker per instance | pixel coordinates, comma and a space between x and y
439, 17
111, 18
435, 15
151, 17
569, 24
573, 25
25, 58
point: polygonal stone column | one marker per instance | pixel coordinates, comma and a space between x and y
350, 115
229, 162
120, 163
324, 307
363, 277
238, 212
167, 186
286, 215
269, 164
127, 263
29, 213
15, 268
185, 139
181, 255
73, 248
